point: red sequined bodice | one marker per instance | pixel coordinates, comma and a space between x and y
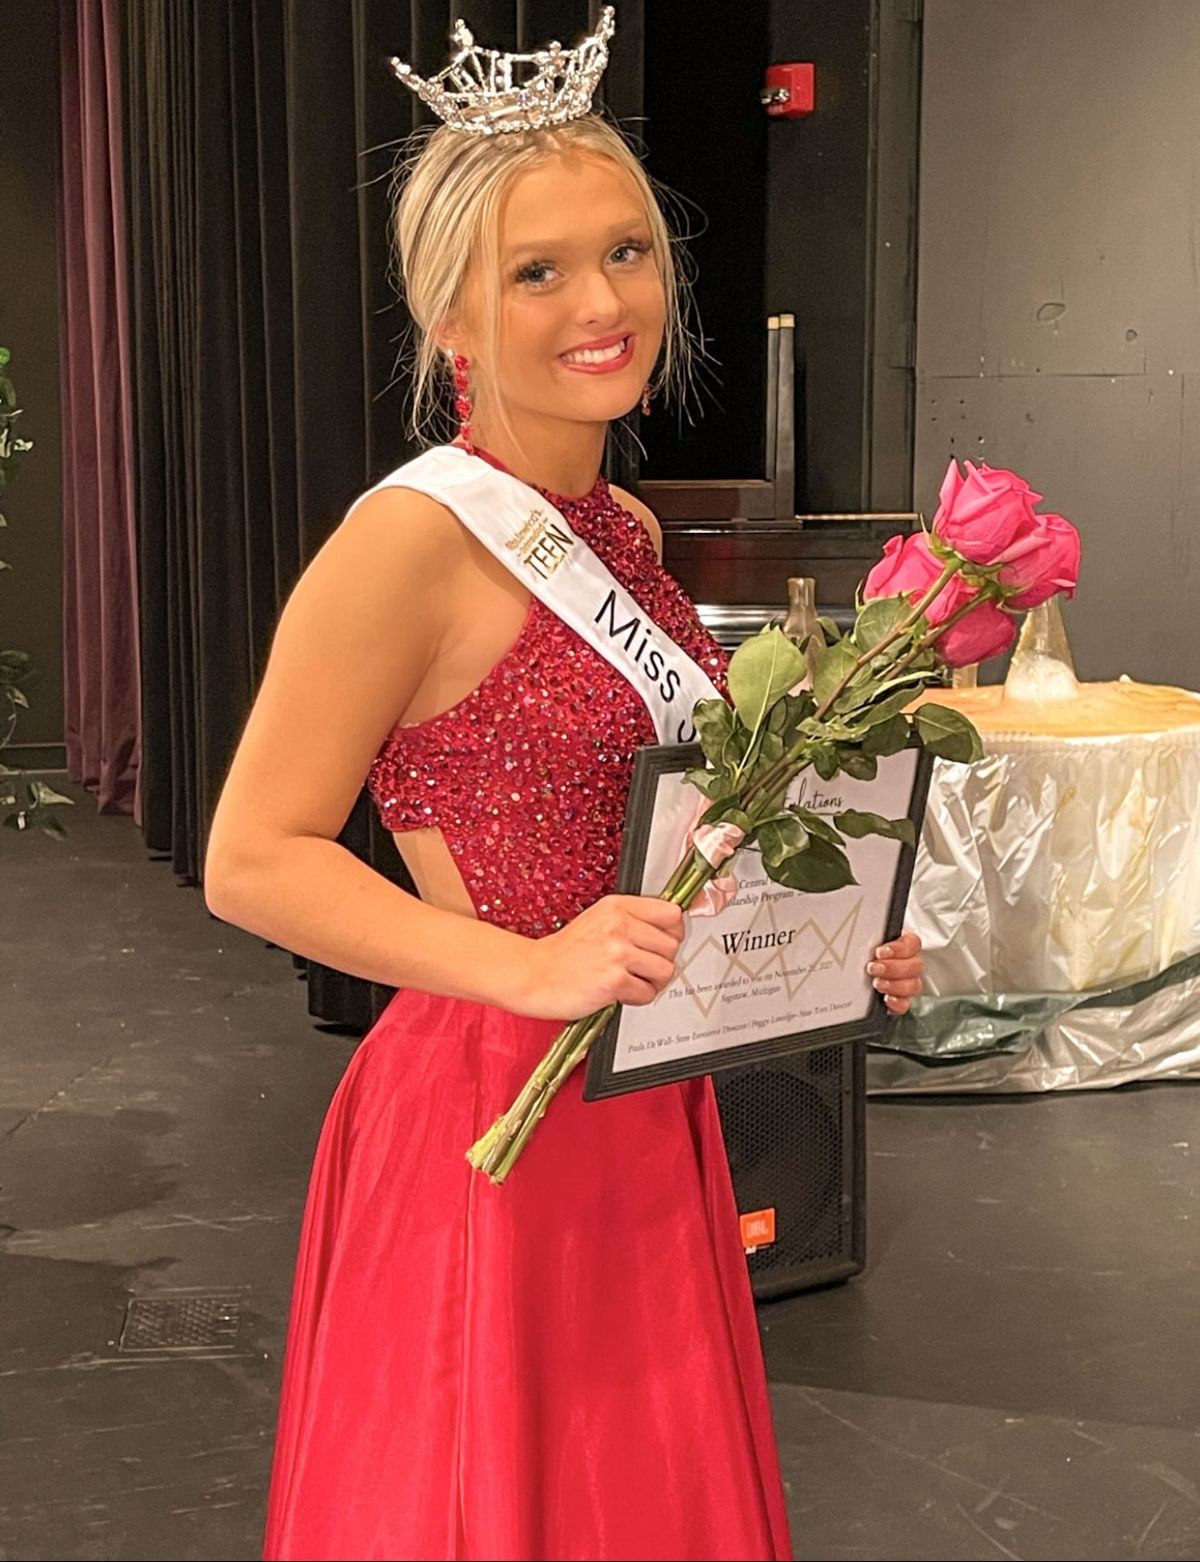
527, 776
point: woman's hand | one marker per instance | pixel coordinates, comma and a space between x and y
621, 950
898, 969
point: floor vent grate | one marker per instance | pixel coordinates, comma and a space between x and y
179, 1321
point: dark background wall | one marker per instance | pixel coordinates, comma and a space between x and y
31, 595
1059, 301
1057, 320
812, 217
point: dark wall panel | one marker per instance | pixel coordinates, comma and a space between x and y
817, 198
1059, 299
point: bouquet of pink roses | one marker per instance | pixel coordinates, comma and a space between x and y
936, 600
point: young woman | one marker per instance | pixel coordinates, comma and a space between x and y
566, 1366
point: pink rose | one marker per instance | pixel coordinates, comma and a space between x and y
1042, 559
908, 569
980, 515
985, 631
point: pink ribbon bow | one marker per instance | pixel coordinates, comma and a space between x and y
716, 843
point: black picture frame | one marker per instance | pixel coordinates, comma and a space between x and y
651, 765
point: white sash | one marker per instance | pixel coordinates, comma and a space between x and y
534, 540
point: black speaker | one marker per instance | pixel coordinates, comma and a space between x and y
794, 1133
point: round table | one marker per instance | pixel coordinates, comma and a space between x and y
1057, 892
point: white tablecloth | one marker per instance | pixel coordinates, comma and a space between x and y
1057, 891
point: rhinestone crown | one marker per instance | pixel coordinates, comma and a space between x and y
489, 93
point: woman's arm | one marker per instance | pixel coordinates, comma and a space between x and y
354, 642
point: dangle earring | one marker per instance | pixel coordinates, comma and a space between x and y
646, 401
462, 401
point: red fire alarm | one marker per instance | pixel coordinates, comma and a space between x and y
788, 91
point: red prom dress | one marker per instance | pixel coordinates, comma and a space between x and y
567, 1366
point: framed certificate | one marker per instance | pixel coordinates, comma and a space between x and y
778, 970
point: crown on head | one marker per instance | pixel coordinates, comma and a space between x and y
489, 93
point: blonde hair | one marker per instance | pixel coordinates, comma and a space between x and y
447, 216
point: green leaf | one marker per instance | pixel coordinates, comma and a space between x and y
835, 664
819, 869
947, 733
886, 737
856, 763
713, 721
787, 714
17, 697
770, 747
832, 633
885, 709
878, 619
825, 760
857, 823
702, 779
816, 824
780, 838
720, 808
896, 693
761, 670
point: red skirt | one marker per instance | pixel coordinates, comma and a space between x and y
567, 1366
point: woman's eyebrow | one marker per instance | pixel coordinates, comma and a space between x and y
543, 246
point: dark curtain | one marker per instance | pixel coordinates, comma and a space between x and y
100, 586
261, 136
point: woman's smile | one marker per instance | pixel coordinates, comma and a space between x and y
604, 356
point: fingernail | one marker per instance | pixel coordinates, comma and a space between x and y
875, 968
877, 985
884, 952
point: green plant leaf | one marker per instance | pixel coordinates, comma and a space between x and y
770, 747
832, 633
835, 664
856, 763
947, 733
702, 779
891, 706
856, 823
825, 760
819, 869
720, 808
713, 721
761, 670
787, 714
878, 619
816, 824
886, 737
780, 838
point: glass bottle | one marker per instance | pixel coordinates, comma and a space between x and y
803, 624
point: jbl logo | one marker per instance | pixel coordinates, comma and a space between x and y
758, 1229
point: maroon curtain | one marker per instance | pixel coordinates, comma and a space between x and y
100, 613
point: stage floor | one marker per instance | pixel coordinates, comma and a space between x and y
1015, 1374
